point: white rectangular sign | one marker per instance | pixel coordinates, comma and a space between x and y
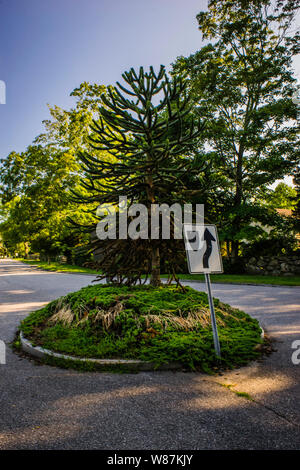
202, 248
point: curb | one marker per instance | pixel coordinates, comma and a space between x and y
134, 364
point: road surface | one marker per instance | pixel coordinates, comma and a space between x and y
44, 407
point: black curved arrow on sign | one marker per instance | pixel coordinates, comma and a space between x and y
209, 238
193, 238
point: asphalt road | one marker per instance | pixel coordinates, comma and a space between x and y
44, 407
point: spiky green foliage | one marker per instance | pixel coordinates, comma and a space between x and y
147, 130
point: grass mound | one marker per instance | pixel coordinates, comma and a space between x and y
158, 324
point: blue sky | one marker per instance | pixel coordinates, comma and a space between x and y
48, 47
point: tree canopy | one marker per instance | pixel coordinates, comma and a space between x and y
35, 184
220, 130
242, 83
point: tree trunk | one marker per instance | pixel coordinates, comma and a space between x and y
238, 200
155, 266
235, 250
155, 254
228, 249
26, 250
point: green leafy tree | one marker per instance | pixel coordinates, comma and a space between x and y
146, 128
35, 184
242, 83
35, 189
69, 130
282, 197
297, 197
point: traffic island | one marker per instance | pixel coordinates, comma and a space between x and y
107, 327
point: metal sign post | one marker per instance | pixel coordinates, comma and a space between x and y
203, 255
213, 316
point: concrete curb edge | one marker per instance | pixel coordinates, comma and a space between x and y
134, 364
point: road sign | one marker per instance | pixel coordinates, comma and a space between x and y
202, 248
203, 254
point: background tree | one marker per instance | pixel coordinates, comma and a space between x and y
35, 184
297, 197
151, 146
35, 189
242, 84
282, 197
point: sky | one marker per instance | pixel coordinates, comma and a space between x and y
48, 47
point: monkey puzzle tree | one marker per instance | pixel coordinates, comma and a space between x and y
147, 129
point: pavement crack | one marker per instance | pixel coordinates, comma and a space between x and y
247, 396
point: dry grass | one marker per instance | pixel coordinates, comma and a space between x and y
64, 315
165, 319
191, 321
107, 318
